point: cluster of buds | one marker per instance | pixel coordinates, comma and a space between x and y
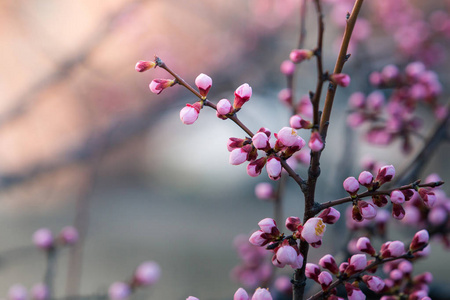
145, 275
43, 238
285, 248
286, 144
415, 85
19, 292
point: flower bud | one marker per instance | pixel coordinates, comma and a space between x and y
224, 107
43, 238
354, 293
240, 294
234, 143
429, 198
421, 238
330, 215
292, 223
189, 113
273, 168
351, 185
192, 298
398, 212
287, 67
325, 279
367, 210
285, 96
340, 79
397, 197
328, 262
286, 255
299, 55
40, 292
380, 200
142, 65
238, 156
287, 136
365, 246
298, 264
356, 263
356, 100
158, 85
262, 294
203, 83
242, 95
406, 267
365, 179
255, 167
424, 278
259, 238
312, 271
374, 283
268, 225
392, 249
69, 235
17, 292
119, 291
264, 191
313, 230
148, 273
315, 142
385, 174
260, 140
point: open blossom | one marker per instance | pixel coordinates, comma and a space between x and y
313, 230
242, 95
158, 85
204, 83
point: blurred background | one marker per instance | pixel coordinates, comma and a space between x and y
84, 142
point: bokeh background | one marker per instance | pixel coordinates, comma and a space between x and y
84, 142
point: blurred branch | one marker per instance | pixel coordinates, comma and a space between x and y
65, 67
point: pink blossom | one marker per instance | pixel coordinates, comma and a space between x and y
69, 235
392, 249
385, 174
397, 197
351, 185
43, 238
365, 246
255, 167
189, 113
260, 140
264, 191
273, 167
328, 262
421, 238
203, 83
268, 225
365, 178
240, 294
292, 223
262, 294
242, 95
330, 215
287, 136
354, 293
325, 279
148, 273
298, 262
295, 121
238, 156
40, 292
158, 85
341, 79
313, 230
315, 142
312, 271
357, 263
224, 107
299, 55
367, 210
17, 292
142, 65
258, 238
286, 255
287, 67
119, 291
374, 283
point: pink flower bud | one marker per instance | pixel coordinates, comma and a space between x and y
397, 197
330, 215
287, 67
40, 292
390, 72
351, 185
340, 79
437, 216
325, 279
380, 200
398, 212
354, 293
240, 294
367, 210
357, 263
192, 298
142, 65
242, 95
286, 255
429, 198
285, 96
295, 121
374, 283
69, 235
414, 69
268, 225
385, 174
260, 140
392, 249
298, 264
424, 278
119, 291
313, 230
43, 238
356, 100
343, 266
283, 284
238, 156
365, 246
262, 294
204, 83
273, 168
421, 238
375, 78
292, 223
287, 136
299, 55
315, 142
148, 273
328, 262
189, 113
258, 238
224, 107
255, 167
365, 179
158, 85
234, 143
312, 271
406, 267
264, 191
17, 292
396, 275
